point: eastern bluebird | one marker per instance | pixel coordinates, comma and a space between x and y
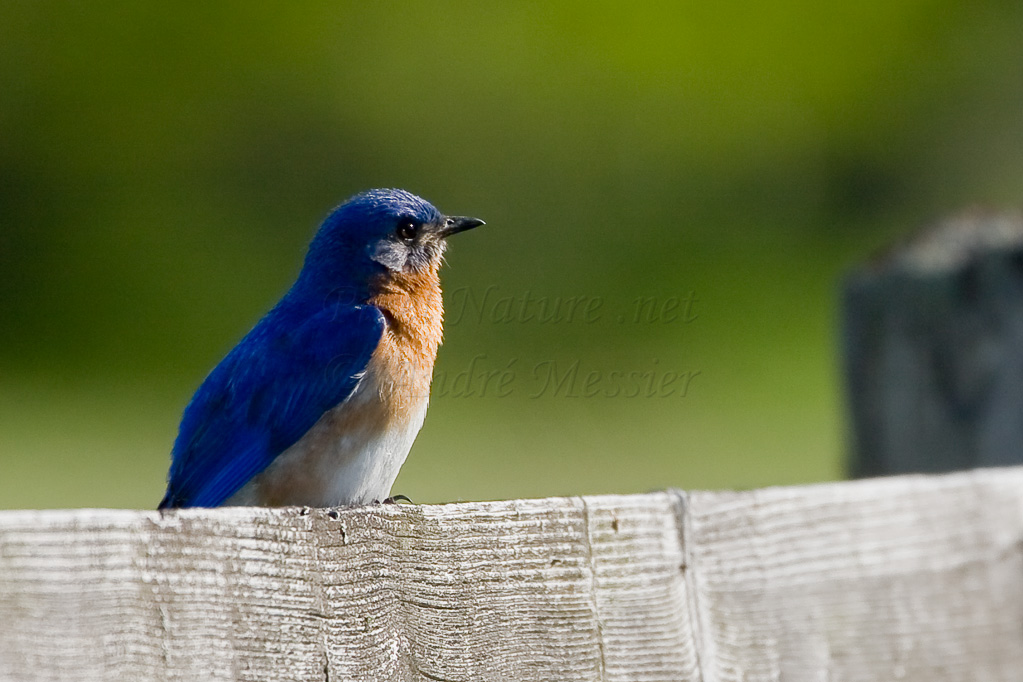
319, 404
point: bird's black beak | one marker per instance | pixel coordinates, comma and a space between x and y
455, 224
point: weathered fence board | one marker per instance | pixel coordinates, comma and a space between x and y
917, 578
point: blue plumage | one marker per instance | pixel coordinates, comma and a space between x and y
265, 395
308, 355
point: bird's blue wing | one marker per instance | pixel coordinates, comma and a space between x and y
263, 397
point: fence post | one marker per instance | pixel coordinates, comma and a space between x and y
933, 350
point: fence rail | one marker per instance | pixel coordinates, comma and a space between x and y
913, 578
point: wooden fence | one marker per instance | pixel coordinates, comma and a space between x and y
908, 578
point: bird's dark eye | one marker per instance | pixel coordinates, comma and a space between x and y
408, 228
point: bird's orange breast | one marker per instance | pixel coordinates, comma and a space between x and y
414, 309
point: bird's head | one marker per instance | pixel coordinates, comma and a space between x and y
381, 232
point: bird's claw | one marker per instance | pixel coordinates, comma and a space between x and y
395, 499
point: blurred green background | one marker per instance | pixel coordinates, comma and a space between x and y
162, 167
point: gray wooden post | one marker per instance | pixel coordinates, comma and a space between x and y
933, 350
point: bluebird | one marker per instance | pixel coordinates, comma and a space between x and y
319, 404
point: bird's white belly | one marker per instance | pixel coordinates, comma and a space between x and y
351, 456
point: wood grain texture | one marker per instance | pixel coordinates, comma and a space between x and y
915, 578
562, 589
910, 578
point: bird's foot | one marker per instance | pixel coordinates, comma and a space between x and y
395, 499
